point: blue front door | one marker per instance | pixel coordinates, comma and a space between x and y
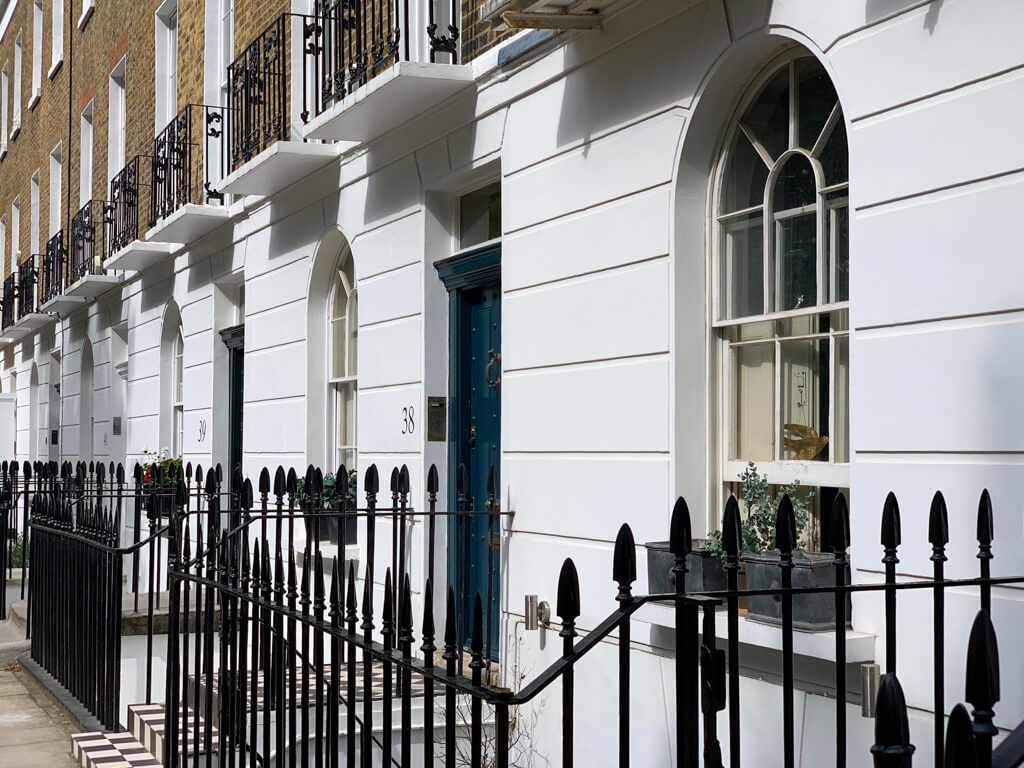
476, 444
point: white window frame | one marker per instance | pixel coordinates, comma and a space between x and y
5, 92
85, 166
166, 70
15, 231
225, 45
34, 215
56, 181
37, 53
178, 393
117, 118
16, 116
343, 389
779, 471
57, 37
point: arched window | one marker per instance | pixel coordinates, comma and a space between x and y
781, 290
342, 336
178, 398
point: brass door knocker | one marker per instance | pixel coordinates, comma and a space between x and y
494, 358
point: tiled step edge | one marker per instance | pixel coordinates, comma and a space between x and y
110, 750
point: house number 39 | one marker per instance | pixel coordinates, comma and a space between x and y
408, 420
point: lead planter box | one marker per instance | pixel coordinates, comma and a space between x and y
704, 573
811, 613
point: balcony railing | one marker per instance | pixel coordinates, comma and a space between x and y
131, 203
258, 94
86, 252
180, 175
349, 43
10, 299
51, 283
28, 275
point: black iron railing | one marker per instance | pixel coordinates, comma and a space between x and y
301, 655
28, 275
258, 94
86, 250
184, 167
51, 278
130, 210
10, 301
348, 43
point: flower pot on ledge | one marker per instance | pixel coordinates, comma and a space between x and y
811, 613
704, 572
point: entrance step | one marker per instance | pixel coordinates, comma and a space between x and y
146, 724
111, 750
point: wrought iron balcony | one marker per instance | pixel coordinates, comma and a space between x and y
10, 298
85, 253
28, 275
180, 175
370, 69
51, 283
131, 204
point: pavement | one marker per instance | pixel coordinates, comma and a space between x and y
35, 730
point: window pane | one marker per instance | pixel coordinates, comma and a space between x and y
841, 438
742, 268
338, 352
768, 116
803, 392
834, 157
753, 402
837, 267
353, 333
745, 177
795, 187
796, 269
817, 98
480, 216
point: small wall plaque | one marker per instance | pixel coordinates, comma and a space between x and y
53, 436
437, 419
117, 425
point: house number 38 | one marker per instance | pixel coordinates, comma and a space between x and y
408, 420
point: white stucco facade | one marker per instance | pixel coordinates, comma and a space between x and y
605, 144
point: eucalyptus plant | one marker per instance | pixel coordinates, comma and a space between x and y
757, 526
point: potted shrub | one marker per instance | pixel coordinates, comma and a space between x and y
327, 525
159, 477
704, 572
811, 613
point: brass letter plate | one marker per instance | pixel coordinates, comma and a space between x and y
437, 419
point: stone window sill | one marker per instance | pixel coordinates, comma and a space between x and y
35, 99
15, 131
88, 6
55, 68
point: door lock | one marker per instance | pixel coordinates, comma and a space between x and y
472, 437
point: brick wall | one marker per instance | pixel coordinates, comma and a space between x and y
476, 36
115, 29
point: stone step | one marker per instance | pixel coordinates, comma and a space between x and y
146, 724
111, 750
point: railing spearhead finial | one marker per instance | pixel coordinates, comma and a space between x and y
405, 610
403, 480
985, 525
680, 532
624, 562
451, 631
350, 598
785, 527
211, 484
960, 747
341, 483
180, 493
568, 604
982, 678
892, 728
394, 486
428, 617
246, 500
732, 529
388, 619
840, 525
309, 479
136, 473
280, 482
891, 527
264, 481
938, 522
432, 479
291, 483
371, 480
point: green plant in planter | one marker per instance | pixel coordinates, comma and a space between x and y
329, 498
757, 528
161, 469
